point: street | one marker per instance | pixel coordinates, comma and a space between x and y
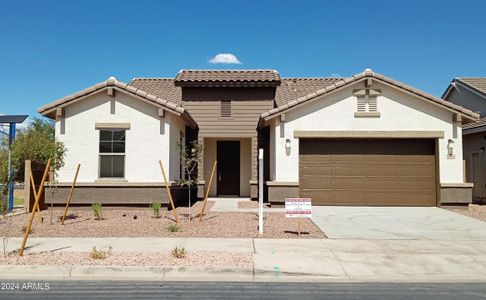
240, 290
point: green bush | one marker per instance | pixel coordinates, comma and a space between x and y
156, 209
97, 208
173, 227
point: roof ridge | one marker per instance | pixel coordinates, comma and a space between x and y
152, 78
307, 78
228, 70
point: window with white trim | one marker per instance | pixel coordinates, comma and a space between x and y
112, 153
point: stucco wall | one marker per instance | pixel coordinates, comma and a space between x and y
245, 163
147, 141
399, 112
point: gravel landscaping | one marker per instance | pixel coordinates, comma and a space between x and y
140, 222
473, 211
200, 258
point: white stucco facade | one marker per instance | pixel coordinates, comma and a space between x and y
399, 111
149, 139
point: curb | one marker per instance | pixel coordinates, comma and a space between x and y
201, 274
149, 273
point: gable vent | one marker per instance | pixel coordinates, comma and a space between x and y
225, 109
361, 104
372, 106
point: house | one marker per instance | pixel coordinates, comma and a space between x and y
362, 140
470, 92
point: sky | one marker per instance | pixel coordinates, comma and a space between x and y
50, 49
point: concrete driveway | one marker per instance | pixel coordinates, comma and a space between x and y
423, 223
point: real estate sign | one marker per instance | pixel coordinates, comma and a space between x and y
298, 207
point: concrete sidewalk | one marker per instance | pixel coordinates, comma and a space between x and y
276, 259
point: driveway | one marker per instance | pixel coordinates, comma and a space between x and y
423, 223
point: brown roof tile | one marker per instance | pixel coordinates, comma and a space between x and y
161, 87
227, 78
479, 123
290, 88
478, 83
294, 88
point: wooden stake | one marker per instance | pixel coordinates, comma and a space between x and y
70, 195
36, 204
207, 191
41, 219
176, 216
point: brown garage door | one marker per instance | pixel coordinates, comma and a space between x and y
368, 171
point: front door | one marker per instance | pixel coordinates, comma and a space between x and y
228, 155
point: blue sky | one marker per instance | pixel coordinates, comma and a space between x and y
49, 49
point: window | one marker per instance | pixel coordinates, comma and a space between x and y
225, 111
112, 153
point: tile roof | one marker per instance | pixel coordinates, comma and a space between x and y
227, 78
479, 123
478, 83
289, 89
173, 106
293, 88
161, 87
367, 74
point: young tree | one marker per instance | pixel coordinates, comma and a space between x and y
37, 143
190, 157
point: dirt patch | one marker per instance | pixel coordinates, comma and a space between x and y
473, 211
199, 258
140, 222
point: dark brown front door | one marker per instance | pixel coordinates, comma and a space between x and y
228, 153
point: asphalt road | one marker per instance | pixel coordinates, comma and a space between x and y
240, 290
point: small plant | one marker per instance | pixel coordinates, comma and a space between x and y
179, 252
100, 254
97, 210
156, 209
173, 227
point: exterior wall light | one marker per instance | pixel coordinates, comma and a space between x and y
287, 146
450, 149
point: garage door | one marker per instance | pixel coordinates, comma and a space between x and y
368, 171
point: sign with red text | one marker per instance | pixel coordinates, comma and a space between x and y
298, 207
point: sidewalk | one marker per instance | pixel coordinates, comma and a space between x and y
275, 260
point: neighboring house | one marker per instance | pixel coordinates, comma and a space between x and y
471, 93
363, 140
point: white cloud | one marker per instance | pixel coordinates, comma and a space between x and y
225, 58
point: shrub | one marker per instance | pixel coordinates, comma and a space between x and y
97, 210
179, 252
173, 227
100, 254
156, 209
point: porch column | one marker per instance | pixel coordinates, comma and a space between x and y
254, 167
200, 172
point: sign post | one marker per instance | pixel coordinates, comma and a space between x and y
260, 191
298, 208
